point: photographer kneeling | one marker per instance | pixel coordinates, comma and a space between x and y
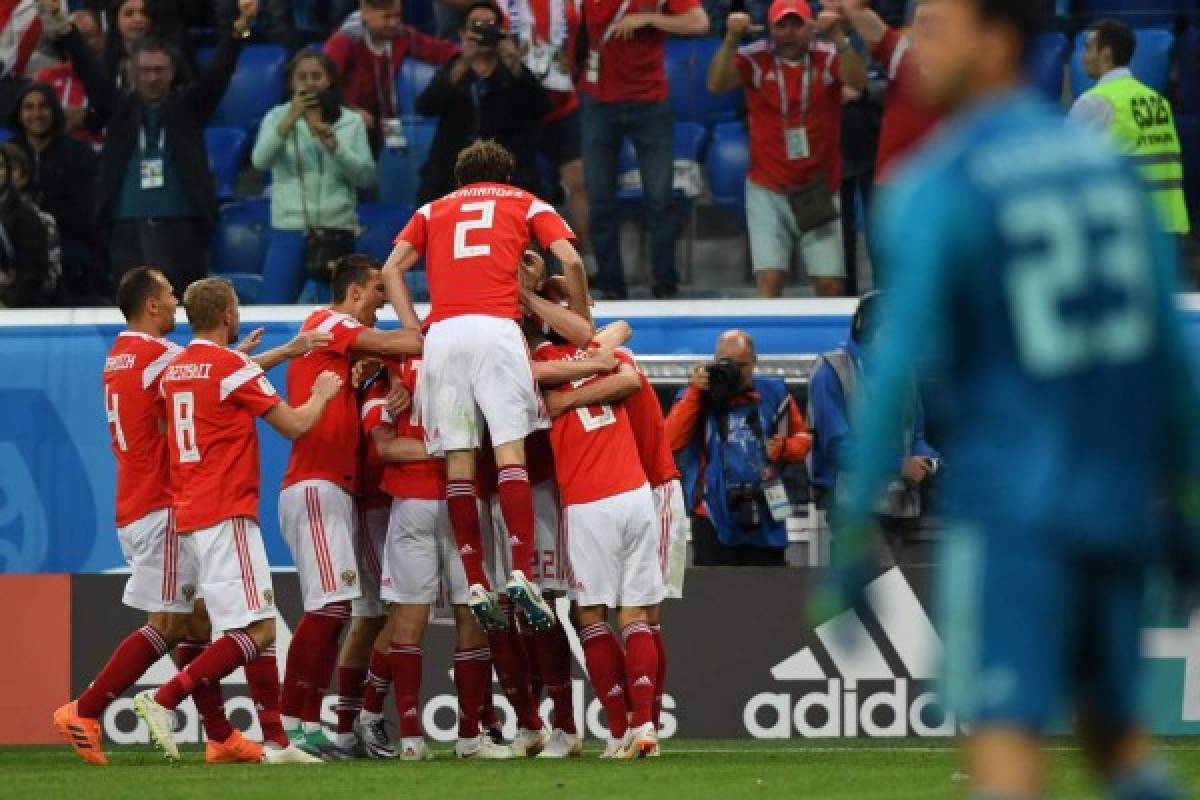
731, 433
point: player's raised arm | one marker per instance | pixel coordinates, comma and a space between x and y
301, 344
566, 323
402, 259
576, 275
606, 391
555, 373
404, 342
614, 334
292, 423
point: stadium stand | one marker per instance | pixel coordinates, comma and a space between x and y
241, 243
1047, 64
256, 87
411, 80
226, 150
1151, 61
400, 170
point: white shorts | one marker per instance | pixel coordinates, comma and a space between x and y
613, 549
774, 236
318, 520
420, 556
672, 535
372, 538
550, 553
477, 369
163, 576
233, 576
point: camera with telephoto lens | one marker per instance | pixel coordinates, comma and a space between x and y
488, 34
742, 500
724, 379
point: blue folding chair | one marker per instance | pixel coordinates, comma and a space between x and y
1046, 64
1151, 60
411, 80
400, 171
727, 163
378, 225
240, 245
256, 87
686, 66
226, 147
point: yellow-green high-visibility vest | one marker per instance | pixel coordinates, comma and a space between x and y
1144, 128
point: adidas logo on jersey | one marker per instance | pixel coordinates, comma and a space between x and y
859, 674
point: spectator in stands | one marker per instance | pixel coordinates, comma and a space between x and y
625, 94
834, 390
79, 120
62, 175
795, 139
157, 199
24, 266
129, 21
317, 151
484, 93
368, 51
545, 33
1137, 119
732, 433
19, 176
281, 26
20, 33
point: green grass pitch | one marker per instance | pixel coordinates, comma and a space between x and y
688, 769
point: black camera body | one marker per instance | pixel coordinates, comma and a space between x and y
724, 379
743, 501
486, 33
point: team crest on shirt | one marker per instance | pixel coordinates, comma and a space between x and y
188, 591
349, 577
269, 597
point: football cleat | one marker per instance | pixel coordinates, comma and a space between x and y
81, 733
481, 747
641, 741
496, 734
237, 749
561, 744
159, 720
415, 748
372, 733
528, 598
614, 748
347, 751
528, 743
274, 754
317, 743
485, 608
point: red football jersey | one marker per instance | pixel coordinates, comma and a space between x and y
649, 428
907, 120
371, 494
631, 70
595, 455
411, 480
134, 408
213, 395
330, 450
473, 240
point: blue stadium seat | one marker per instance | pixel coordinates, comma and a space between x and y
1188, 53
240, 244
1135, 14
378, 225
411, 80
689, 139
226, 148
400, 172
727, 163
1046, 64
1151, 61
256, 87
687, 62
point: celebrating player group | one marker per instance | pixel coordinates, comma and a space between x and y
495, 457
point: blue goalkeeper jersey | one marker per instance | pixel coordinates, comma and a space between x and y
1031, 277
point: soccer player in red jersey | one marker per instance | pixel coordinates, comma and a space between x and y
316, 505
612, 541
161, 582
212, 397
476, 363
420, 557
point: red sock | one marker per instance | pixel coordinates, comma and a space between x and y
489, 718
132, 657
472, 679
552, 653
311, 659
516, 504
641, 670
262, 676
351, 682
660, 681
405, 663
536, 682
464, 519
379, 679
512, 670
606, 669
209, 700
219, 659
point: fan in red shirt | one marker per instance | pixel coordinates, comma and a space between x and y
213, 395
477, 366
316, 503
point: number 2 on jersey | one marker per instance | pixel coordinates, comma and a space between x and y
487, 215
183, 417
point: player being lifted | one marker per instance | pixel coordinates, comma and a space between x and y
160, 583
477, 367
212, 396
316, 505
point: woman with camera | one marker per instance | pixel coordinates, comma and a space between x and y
316, 149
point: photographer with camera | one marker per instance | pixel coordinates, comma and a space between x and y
732, 433
484, 93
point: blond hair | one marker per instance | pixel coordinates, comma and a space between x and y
206, 301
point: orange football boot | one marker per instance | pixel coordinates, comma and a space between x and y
237, 749
81, 733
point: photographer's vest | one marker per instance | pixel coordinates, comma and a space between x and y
1144, 129
735, 444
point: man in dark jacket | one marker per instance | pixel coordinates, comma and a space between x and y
156, 197
484, 93
62, 178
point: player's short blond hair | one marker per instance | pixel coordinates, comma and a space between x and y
206, 301
485, 161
